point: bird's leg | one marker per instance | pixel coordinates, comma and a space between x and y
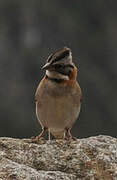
69, 135
49, 135
65, 137
36, 139
44, 129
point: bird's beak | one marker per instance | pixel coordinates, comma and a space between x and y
46, 66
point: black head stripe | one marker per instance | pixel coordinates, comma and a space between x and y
61, 56
58, 55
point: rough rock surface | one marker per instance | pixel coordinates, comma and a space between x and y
93, 158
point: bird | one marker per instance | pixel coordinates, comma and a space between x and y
58, 96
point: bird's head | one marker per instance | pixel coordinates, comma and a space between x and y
60, 63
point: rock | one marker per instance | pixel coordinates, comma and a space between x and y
93, 158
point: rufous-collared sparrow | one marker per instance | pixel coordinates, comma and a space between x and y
58, 96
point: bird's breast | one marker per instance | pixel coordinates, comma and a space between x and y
57, 110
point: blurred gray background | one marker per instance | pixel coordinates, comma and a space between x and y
29, 32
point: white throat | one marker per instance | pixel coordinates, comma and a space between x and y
56, 75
